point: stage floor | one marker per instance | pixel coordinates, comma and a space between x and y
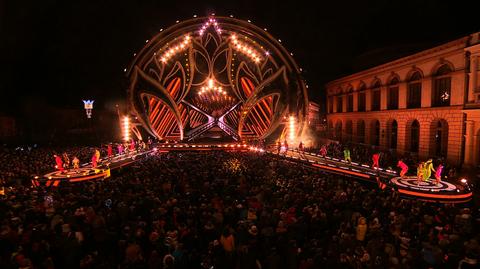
430, 191
86, 172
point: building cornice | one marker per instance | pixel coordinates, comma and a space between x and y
452, 46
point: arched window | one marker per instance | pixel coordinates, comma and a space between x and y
414, 92
330, 104
348, 130
392, 94
361, 131
330, 130
442, 86
339, 104
376, 133
414, 136
376, 96
350, 102
338, 131
361, 98
393, 133
439, 139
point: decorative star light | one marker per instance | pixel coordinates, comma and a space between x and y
445, 96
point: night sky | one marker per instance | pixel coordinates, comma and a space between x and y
58, 52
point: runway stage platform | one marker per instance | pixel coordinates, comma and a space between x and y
455, 191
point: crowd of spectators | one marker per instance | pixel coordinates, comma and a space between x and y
217, 209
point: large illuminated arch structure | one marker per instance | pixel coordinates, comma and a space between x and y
216, 72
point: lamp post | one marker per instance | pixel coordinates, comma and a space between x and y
88, 105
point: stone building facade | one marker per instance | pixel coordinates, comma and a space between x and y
427, 103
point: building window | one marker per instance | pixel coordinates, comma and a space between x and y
414, 136
361, 101
350, 103
348, 130
376, 133
439, 140
376, 96
442, 87
331, 131
338, 131
414, 91
392, 94
393, 134
339, 104
330, 104
376, 100
361, 131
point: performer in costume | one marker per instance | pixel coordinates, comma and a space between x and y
420, 172
97, 153
132, 145
300, 147
109, 151
285, 144
66, 160
346, 155
76, 163
428, 166
58, 162
438, 174
323, 151
94, 160
376, 160
120, 149
404, 168
279, 146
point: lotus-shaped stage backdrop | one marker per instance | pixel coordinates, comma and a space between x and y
216, 73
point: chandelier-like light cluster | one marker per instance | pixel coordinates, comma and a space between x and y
213, 22
211, 87
169, 53
250, 52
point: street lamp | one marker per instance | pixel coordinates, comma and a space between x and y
88, 105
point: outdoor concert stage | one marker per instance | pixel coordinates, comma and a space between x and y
446, 192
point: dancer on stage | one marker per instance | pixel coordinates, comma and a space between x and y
376, 160
346, 155
94, 160
59, 163
404, 168
279, 146
420, 172
285, 144
120, 149
323, 151
300, 147
66, 160
97, 153
76, 163
428, 166
438, 174
109, 151
132, 145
